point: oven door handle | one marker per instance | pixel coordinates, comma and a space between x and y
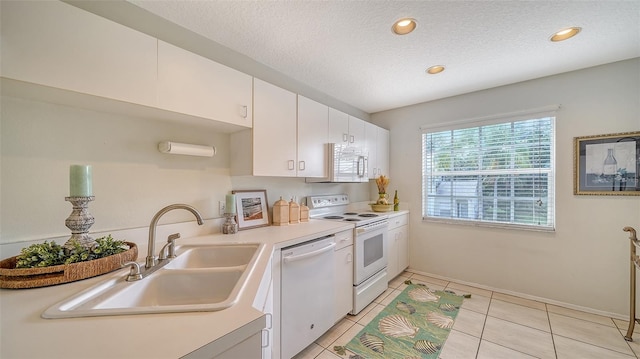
289, 259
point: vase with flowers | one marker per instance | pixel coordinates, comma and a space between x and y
382, 183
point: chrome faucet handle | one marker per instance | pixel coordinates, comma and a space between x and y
171, 245
134, 272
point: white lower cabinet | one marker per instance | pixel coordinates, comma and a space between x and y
344, 274
264, 303
245, 342
250, 348
398, 245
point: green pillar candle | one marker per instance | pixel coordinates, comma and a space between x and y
80, 181
230, 206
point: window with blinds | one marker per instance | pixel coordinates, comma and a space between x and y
498, 172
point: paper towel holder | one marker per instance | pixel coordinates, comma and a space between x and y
176, 148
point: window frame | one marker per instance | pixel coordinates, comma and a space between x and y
511, 173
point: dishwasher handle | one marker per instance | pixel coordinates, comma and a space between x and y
288, 259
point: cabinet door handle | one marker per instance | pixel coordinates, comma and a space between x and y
302, 166
265, 341
345, 137
244, 111
349, 257
353, 139
291, 165
270, 320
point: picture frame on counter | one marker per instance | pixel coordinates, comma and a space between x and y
607, 164
252, 208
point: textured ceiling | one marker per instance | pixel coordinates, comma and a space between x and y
346, 49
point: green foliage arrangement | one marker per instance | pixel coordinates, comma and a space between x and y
107, 246
51, 254
41, 255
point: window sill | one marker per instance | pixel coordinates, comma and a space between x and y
520, 227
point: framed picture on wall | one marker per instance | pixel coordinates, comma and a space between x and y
607, 164
252, 208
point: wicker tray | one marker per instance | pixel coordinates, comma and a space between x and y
381, 207
16, 278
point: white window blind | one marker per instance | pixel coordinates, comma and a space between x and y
499, 173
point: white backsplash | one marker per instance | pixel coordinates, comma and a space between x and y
139, 236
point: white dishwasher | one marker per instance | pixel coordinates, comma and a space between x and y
306, 294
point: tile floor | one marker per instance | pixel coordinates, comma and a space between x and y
492, 325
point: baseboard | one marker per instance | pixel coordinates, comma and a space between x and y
525, 296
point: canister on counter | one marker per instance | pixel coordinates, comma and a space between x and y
304, 213
281, 213
294, 212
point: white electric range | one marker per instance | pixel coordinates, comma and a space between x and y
370, 244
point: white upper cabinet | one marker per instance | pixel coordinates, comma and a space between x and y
371, 147
197, 86
356, 131
288, 139
338, 127
313, 128
382, 157
377, 145
345, 129
274, 130
58, 45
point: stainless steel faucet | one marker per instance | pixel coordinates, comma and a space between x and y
151, 259
169, 248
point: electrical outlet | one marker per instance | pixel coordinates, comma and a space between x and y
221, 206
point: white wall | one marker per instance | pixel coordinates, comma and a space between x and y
585, 263
131, 179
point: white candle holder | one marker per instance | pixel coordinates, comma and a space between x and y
229, 226
79, 222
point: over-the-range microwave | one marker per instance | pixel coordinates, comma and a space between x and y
345, 164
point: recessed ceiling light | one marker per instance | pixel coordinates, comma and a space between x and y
435, 69
404, 26
565, 34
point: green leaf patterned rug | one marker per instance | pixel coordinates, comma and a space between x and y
414, 325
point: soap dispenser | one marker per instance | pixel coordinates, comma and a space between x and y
281, 213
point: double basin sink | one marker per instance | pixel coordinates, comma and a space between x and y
200, 278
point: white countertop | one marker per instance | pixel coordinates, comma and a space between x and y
24, 334
392, 214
